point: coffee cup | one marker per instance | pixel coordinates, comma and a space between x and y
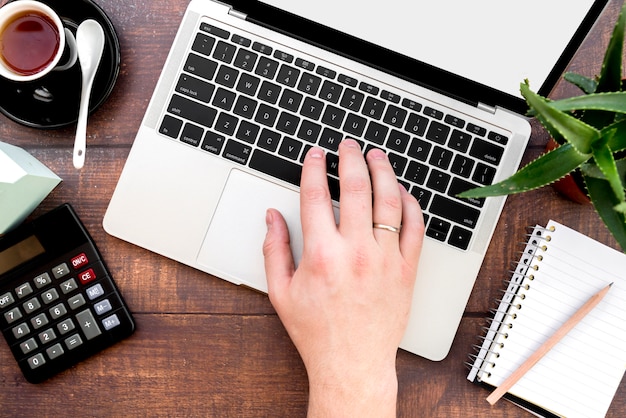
32, 41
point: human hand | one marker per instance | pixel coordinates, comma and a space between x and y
347, 304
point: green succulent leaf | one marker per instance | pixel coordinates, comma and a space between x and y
574, 131
586, 84
610, 78
610, 102
544, 170
604, 160
606, 204
617, 141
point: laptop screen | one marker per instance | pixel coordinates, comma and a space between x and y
477, 51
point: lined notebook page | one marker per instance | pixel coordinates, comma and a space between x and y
557, 274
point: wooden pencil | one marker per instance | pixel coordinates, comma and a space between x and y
547, 346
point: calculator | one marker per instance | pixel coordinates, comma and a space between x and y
58, 301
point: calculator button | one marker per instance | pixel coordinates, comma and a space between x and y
23, 290
68, 286
87, 276
28, 346
55, 351
66, 326
47, 336
42, 280
95, 292
79, 261
57, 311
21, 330
39, 321
6, 300
88, 324
50, 296
73, 341
36, 361
103, 307
60, 271
12, 315
76, 301
31, 305
110, 322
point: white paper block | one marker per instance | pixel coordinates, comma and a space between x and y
24, 183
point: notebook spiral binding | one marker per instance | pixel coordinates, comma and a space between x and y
494, 339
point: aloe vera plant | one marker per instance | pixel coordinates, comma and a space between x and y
591, 132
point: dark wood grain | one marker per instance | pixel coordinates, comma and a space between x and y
204, 347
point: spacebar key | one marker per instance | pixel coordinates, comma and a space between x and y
276, 167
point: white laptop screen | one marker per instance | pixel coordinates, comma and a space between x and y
494, 43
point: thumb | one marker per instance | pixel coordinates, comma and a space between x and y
279, 264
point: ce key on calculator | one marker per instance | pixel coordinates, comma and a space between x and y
58, 302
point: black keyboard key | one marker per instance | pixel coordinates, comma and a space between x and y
355, 124
205, 27
247, 132
441, 158
307, 65
245, 106
194, 87
245, 60
373, 108
248, 84
438, 229
237, 152
312, 108
276, 167
203, 44
352, 100
454, 211
262, 48
416, 172
332, 164
266, 115
226, 123
240, 40
309, 84
438, 132
309, 131
368, 88
325, 72
224, 52
454, 121
290, 148
330, 91
476, 130
395, 116
227, 76
287, 123
170, 126
462, 166
433, 113
290, 100
267, 67
269, 139
398, 141
419, 149
213, 142
458, 186
269, 92
224, 99
392, 97
487, 151
201, 67
333, 116
459, 140
411, 105
416, 124
344, 79
330, 139
376, 133
288, 75
422, 196
484, 174
283, 56
398, 163
193, 111
460, 237
192, 134
499, 138
438, 180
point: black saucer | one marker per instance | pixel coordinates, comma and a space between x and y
53, 100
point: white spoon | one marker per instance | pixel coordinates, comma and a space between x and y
90, 45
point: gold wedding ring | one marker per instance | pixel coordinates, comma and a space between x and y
387, 228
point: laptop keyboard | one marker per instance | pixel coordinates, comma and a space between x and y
264, 106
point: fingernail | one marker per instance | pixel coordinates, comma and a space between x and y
351, 143
377, 154
269, 218
315, 153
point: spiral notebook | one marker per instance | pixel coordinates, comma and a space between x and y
557, 272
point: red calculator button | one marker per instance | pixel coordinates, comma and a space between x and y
79, 260
87, 276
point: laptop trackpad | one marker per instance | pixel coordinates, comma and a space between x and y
233, 246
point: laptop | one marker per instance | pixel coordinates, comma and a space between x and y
248, 87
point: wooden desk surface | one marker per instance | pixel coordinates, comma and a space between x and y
204, 347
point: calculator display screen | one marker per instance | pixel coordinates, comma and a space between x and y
20, 253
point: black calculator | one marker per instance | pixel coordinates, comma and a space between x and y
58, 302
